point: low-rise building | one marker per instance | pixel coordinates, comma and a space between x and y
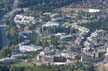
8, 60
86, 59
50, 24
22, 19
19, 56
93, 10
29, 48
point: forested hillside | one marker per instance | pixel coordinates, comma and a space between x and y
5, 5
91, 4
45, 4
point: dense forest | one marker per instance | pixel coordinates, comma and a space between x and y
91, 4
5, 6
0, 39
45, 4
101, 23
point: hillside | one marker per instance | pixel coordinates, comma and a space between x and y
91, 4
45, 4
50, 4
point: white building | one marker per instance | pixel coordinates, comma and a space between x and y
8, 60
66, 36
29, 48
21, 19
58, 63
50, 24
93, 10
60, 34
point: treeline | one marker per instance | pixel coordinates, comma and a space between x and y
102, 23
6, 4
27, 67
45, 4
0, 40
